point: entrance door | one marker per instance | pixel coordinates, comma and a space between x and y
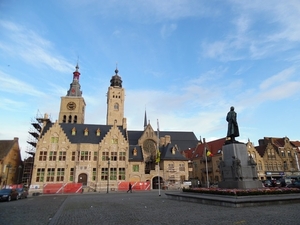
82, 178
155, 182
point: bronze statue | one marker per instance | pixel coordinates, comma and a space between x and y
233, 129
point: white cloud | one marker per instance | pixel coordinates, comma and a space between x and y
149, 11
277, 79
35, 50
167, 30
15, 86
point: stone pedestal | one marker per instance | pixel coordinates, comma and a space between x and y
243, 177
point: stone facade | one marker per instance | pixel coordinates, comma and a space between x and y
99, 156
274, 158
10, 162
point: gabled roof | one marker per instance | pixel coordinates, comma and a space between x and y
183, 139
295, 144
167, 153
79, 137
213, 146
261, 149
5, 147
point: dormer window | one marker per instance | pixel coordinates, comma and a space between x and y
98, 132
173, 150
86, 132
134, 152
74, 131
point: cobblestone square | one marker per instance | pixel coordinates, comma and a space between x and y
135, 208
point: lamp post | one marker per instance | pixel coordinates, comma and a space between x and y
108, 175
8, 166
19, 172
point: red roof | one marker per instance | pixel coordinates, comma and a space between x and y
212, 146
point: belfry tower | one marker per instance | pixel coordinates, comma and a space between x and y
115, 102
72, 106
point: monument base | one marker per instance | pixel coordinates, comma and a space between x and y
240, 184
238, 171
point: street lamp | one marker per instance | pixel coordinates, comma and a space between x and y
20, 168
108, 175
8, 166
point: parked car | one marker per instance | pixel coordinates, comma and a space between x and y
8, 194
23, 193
267, 183
295, 184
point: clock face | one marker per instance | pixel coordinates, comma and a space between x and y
71, 105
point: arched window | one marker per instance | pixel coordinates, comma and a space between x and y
75, 119
70, 119
64, 118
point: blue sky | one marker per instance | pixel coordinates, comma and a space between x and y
185, 61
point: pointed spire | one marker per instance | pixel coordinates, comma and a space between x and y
75, 86
76, 73
145, 120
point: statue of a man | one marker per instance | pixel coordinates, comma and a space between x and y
233, 129
236, 168
221, 168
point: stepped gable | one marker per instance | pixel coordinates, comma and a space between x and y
261, 149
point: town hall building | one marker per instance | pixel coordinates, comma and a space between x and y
103, 156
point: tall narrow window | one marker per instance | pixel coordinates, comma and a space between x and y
50, 174
71, 174
70, 119
113, 174
43, 156
94, 174
95, 158
73, 157
75, 119
52, 156
104, 173
60, 174
64, 119
122, 156
40, 175
114, 156
121, 173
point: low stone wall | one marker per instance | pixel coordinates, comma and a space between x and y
235, 201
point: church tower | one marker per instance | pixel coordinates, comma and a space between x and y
115, 102
72, 106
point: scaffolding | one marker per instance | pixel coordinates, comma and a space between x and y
35, 130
